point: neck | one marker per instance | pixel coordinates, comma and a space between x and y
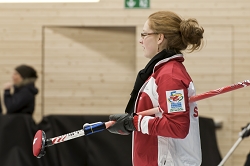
26, 81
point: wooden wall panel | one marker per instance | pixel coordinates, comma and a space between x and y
88, 70
226, 24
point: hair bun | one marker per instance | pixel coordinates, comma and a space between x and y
191, 33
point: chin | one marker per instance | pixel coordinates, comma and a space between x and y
147, 55
16, 82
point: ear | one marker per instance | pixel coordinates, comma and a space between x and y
160, 38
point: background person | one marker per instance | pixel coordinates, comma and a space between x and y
22, 100
0, 106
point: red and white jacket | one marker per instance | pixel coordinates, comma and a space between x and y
170, 137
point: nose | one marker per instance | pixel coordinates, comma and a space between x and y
140, 41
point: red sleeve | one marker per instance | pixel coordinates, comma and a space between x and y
173, 102
135, 121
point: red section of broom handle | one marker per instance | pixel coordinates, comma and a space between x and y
207, 94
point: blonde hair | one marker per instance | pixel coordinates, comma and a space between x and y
180, 34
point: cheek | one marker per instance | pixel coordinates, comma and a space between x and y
16, 78
13, 77
150, 48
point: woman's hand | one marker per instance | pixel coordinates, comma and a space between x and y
7, 85
123, 124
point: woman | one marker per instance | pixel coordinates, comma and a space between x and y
23, 98
171, 136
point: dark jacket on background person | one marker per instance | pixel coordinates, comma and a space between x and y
247, 162
0, 107
22, 100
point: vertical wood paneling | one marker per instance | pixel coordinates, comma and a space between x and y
223, 61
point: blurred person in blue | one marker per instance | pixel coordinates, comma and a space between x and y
22, 100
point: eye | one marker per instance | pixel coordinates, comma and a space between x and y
143, 34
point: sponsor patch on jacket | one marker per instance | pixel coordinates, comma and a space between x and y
175, 101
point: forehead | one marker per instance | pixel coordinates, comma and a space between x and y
15, 72
146, 26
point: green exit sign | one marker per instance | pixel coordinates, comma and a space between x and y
136, 3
